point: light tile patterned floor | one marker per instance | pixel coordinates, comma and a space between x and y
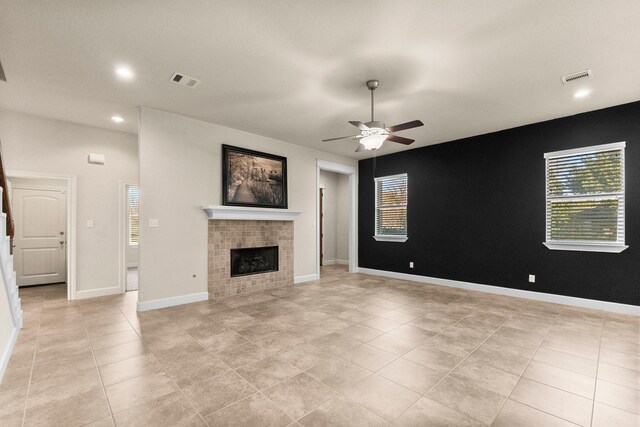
349, 350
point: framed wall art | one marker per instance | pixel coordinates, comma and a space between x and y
253, 178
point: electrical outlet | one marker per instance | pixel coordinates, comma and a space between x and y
411, 264
89, 223
532, 278
153, 223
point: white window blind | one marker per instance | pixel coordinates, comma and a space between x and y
585, 198
391, 208
132, 197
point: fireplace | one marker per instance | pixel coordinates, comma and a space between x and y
226, 235
247, 261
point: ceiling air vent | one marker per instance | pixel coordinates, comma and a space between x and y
580, 75
183, 80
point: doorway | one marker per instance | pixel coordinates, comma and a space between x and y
346, 174
43, 211
130, 238
334, 219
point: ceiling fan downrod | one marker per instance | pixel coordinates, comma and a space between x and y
372, 85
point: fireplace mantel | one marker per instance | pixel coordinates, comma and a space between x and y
249, 214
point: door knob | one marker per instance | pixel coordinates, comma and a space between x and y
62, 242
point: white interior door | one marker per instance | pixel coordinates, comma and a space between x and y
40, 242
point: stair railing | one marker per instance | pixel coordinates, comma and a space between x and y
6, 202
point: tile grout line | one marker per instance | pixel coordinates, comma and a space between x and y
595, 385
340, 393
95, 361
234, 370
286, 379
33, 363
454, 368
163, 366
527, 366
318, 323
551, 386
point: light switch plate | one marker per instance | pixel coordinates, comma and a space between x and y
153, 223
89, 223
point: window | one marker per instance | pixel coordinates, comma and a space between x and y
585, 199
391, 208
132, 201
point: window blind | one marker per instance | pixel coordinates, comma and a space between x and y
585, 195
391, 205
132, 196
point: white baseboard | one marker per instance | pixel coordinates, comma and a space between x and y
336, 262
101, 292
307, 278
518, 293
6, 354
170, 302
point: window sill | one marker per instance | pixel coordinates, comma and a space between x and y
586, 247
398, 239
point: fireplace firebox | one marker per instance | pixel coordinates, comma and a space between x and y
246, 261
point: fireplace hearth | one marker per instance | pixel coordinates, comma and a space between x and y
247, 261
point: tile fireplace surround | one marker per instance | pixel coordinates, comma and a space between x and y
225, 235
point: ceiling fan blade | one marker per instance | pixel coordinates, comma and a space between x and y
404, 126
359, 125
360, 148
340, 137
399, 139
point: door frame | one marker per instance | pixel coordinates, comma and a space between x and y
72, 205
122, 226
321, 224
351, 172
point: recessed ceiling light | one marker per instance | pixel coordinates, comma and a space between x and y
117, 119
581, 93
124, 73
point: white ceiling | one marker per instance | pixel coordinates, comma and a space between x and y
295, 70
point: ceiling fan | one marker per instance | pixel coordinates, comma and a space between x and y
373, 133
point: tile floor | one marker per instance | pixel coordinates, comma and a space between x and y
350, 350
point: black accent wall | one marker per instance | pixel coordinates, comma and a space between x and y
477, 210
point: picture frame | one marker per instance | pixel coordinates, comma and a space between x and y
253, 178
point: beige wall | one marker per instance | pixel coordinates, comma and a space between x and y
180, 170
42, 145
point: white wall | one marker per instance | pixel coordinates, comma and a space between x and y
336, 217
47, 146
7, 328
180, 170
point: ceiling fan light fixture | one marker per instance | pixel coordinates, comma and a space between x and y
374, 133
373, 142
